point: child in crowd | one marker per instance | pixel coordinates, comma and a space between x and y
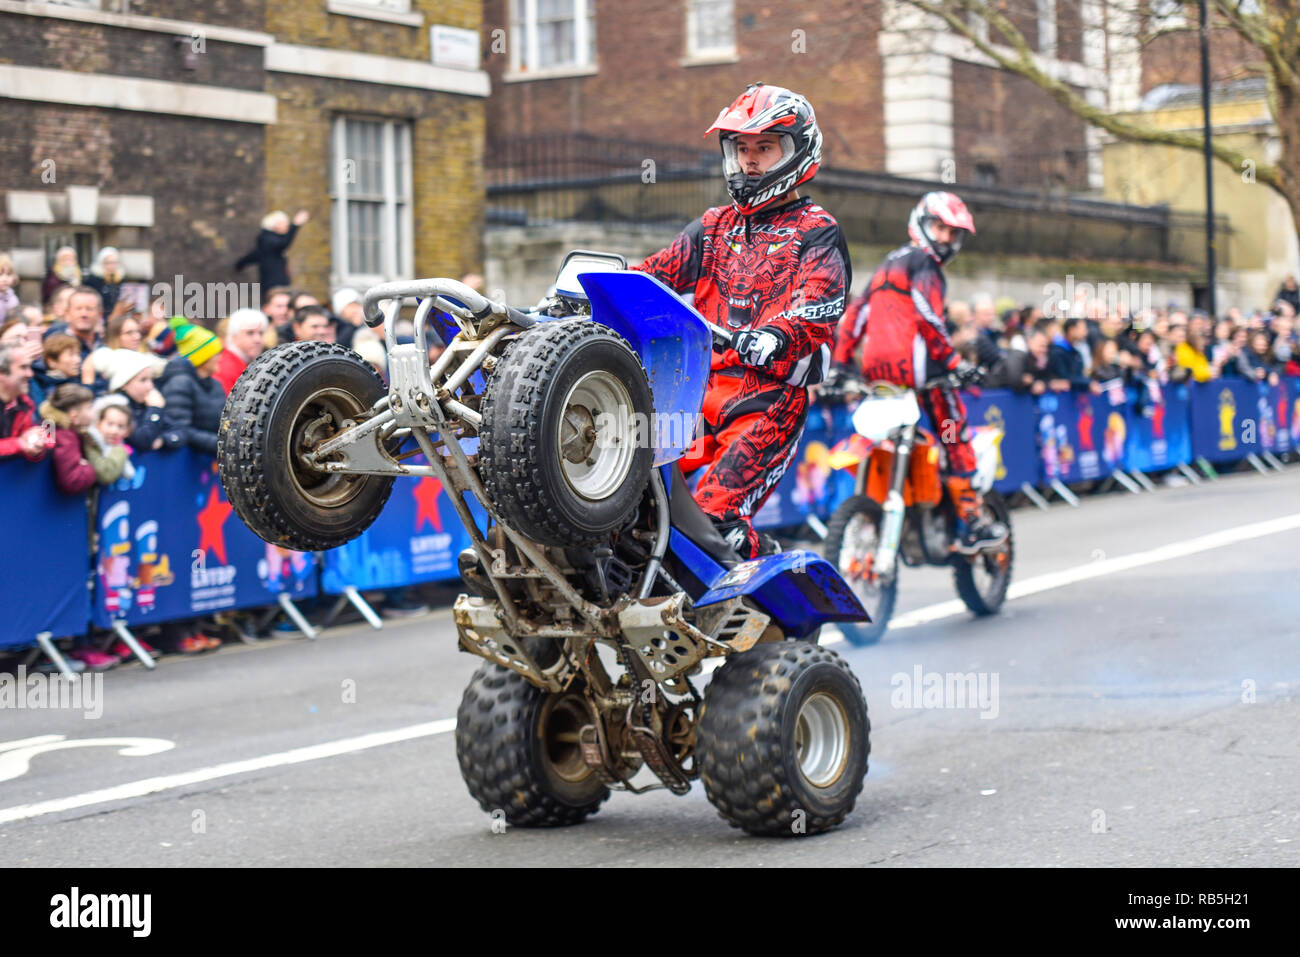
68, 412
104, 443
60, 362
8, 279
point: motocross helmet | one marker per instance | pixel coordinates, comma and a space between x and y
768, 109
945, 208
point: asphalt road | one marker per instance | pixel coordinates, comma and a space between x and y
1145, 716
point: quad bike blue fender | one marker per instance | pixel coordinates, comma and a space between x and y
673, 342
800, 590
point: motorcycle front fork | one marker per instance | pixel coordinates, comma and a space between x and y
885, 563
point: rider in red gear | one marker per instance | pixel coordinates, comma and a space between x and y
772, 269
900, 317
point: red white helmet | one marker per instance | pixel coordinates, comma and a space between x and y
769, 109
942, 208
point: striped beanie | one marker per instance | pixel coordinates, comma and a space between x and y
194, 342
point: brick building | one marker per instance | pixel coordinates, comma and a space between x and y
893, 92
168, 128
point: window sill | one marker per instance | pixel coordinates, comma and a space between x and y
552, 73
710, 58
374, 13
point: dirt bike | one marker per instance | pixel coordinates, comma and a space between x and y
598, 588
901, 510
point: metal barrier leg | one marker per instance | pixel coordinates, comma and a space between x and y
123, 632
816, 524
1141, 479
1188, 473
1031, 493
295, 615
1060, 489
369, 614
1257, 464
47, 646
1125, 481
1204, 465
1273, 460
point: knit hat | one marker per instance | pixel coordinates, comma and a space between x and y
123, 365
194, 342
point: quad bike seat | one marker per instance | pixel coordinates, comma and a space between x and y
696, 524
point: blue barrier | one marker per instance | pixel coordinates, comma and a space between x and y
1012, 413
1225, 420
49, 541
1160, 431
416, 539
171, 547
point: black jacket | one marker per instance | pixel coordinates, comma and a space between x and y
1064, 361
107, 291
149, 425
193, 411
272, 267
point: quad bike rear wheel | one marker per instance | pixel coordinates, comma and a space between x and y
783, 739
982, 579
289, 400
564, 450
852, 537
519, 751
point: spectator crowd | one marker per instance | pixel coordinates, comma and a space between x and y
92, 382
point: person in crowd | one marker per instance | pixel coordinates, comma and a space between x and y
9, 303
349, 314
297, 300
57, 307
1229, 361
373, 351
60, 362
312, 322
103, 441
956, 316
1257, 362
20, 433
68, 410
1289, 292
131, 376
193, 398
105, 277
268, 254
82, 320
244, 342
1189, 352
275, 305
65, 270
1106, 365
1066, 362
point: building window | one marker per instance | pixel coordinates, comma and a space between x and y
552, 34
393, 6
371, 189
710, 27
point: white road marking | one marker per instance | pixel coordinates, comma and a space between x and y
169, 782
15, 761
946, 609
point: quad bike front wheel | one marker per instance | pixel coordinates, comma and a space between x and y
783, 739
288, 401
519, 751
565, 453
852, 537
982, 579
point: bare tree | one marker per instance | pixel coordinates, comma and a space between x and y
1269, 27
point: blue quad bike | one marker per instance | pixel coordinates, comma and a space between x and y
598, 588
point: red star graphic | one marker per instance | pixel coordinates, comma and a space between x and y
210, 520
426, 494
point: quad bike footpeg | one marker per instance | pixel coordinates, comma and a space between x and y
483, 632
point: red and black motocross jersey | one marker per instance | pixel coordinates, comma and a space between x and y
786, 268
901, 317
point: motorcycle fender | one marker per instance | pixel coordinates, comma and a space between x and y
985, 443
673, 343
800, 590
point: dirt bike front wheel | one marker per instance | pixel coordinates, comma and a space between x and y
982, 580
852, 538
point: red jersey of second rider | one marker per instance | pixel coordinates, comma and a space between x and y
904, 304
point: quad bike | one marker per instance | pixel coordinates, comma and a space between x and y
598, 587
901, 510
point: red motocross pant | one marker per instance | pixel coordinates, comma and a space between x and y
751, 429
948, 413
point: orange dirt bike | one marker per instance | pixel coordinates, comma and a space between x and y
901, 509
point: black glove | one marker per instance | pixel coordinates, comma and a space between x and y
967, 374
759, 348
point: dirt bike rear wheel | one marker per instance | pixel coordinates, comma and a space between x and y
852, 536
982, 580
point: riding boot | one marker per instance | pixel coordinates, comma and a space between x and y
975, 533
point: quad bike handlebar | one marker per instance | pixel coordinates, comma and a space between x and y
450, 296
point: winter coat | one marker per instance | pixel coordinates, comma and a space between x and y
1064, 361
229, 368
193, 410
73, 473
44, 382
149, 426
110, 462
8, 305
16, 418
108, 291
268, 254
